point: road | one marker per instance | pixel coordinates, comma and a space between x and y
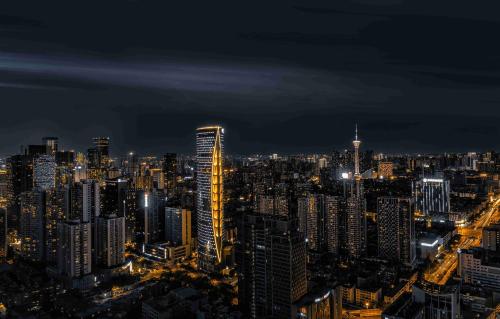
470, 237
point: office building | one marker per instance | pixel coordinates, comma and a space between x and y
31, 230
432, 196
150, 216
178, 226
396, 229
44, 172
111, 240
210, 210
271, 259
74, 248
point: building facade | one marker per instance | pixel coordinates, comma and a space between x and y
210, 206
74, 249
111, 240
432, 196
271, 258
396, 229
178, 226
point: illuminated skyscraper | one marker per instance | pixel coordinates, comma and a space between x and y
355, 208
210, 211
44, 172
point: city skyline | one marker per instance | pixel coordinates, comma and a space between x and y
243, 160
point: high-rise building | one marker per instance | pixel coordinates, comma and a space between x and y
52, 144
491, 237
396, 229
333, 209
310, 215
74, 248
148, 214
271, 262
44, 172
178, 226
355, 210
56, 208
3, 233
432, 196
355, 227
170, 172
86, 206
210, 210
111, 240
319, 220
131, 205
32, 224
20, 168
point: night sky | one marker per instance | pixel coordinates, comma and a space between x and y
281, 76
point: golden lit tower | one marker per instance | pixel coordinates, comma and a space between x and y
210, 210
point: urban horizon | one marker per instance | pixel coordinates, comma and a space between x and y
250, 160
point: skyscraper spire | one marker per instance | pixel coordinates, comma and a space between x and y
356, 144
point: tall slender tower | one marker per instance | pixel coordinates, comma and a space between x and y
357, 176
356, 221
210, 211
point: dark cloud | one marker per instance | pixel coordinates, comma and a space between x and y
281, 76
